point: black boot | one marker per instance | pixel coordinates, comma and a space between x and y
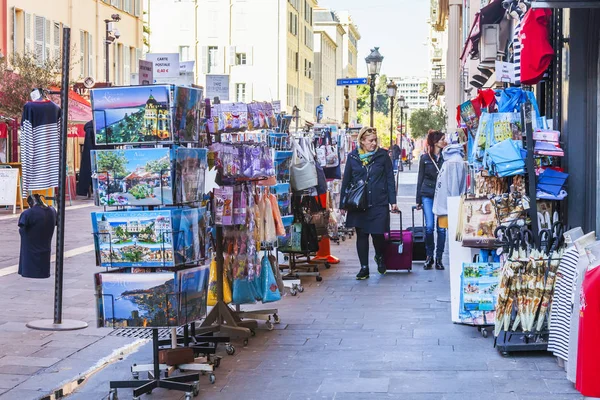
363, 273
439, 265
381, 268
428, 263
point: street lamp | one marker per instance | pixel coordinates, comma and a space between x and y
392, 88
402, 106
112, 34
373, 61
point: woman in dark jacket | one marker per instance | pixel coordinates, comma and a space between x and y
429, 167
373, 164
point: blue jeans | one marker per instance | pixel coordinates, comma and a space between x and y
430, 223
395, 163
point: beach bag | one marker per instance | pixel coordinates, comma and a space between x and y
303, 171
243, 293
212, 286
504, 159
276, 273
269, 284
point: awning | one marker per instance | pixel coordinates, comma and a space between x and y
80, 110
565, 4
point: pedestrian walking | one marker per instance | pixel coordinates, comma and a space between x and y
371, 164
395, 156
430, 164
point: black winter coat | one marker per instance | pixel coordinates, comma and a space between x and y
382, 191
428, 174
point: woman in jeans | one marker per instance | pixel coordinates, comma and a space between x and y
429, 167
368, 162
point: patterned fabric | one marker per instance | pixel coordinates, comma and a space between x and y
365, 157
40, 145
562, 305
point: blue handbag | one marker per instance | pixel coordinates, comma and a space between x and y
504, 159
269, 284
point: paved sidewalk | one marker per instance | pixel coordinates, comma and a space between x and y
389, 337
35, 364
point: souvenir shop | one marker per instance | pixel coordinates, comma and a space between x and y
523, 250
205, 205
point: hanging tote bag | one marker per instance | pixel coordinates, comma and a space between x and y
504, 159
303, 171
212, 286
269, 284
277, 273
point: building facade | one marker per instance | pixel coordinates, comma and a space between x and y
266, 47
36, 27
350, 59
329, 45
438, 47
3, 28
414, 89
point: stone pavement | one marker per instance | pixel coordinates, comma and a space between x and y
389, 337
35, 364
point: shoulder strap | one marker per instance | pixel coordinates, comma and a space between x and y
434, 163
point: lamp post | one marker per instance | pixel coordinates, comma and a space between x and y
373, 61
402, 106
391, 91
112, 34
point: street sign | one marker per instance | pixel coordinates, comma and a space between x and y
352, 81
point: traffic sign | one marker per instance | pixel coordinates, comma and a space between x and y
352, 81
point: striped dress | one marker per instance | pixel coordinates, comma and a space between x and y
40, 145
562, 305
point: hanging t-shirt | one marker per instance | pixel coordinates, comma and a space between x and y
536, 51
582, 266
36, 227
588, 359
560, 314
40, 145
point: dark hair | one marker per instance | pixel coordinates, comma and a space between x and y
432, 138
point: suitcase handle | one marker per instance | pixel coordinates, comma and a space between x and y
413, 216
399, 212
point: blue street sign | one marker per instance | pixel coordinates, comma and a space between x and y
319, 111
352, 81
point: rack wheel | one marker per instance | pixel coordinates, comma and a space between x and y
196, 390
301, 288
343, 239
230, 349
293, 292
252, 332
188, 396
136, 398
338, 242
316, 269
505, 354
245, 342
484, 333
327, 265
217, 362
319, 278
212, 379
112, 395
276, 319
135, 375
269, 325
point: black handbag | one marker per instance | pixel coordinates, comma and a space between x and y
309, 239
355, 198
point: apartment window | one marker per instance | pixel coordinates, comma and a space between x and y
212, 58
240, 92
240, 58
184, 53
85, 54
126, 65
127, 6
297, 61
308, 38
305, 67
138, 8
350, 58
310, 76
353, 40
294, 4
293, 24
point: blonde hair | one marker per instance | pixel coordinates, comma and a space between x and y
365, 131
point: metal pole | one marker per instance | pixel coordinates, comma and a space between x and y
526, 121
372, 98
400, 164
106, 49
391, 122
62, 177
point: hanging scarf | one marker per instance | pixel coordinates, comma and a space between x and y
365, 157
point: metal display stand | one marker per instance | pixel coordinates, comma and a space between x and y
58, 323
182, 383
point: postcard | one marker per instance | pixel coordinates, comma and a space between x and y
133, 114
134, 238
132, 177
189, 114
190, 166
193, 283
136, 300
479, 223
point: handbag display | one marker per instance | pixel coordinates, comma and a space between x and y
303, 171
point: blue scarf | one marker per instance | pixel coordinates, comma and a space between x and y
365, 157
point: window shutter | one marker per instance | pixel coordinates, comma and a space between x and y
126, 65
81, 54
220, 55
48, 41
138, 56
204, 59
39, 40
138, 8
56, 40
232, 51
28, 38
249, 54
90, 56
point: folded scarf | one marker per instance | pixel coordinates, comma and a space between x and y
365, 157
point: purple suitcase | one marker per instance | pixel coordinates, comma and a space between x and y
398, 254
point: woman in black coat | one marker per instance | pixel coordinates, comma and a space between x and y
373, 164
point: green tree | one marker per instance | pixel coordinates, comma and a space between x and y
382, 100
114, 162
19, 77
421, 121
158, 166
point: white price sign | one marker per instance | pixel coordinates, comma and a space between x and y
166, 65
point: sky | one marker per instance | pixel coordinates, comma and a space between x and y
398, 27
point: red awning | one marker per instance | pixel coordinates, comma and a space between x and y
80, 110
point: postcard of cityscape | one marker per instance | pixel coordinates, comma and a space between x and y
134, 238
133, 114
137, 300
132, 177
